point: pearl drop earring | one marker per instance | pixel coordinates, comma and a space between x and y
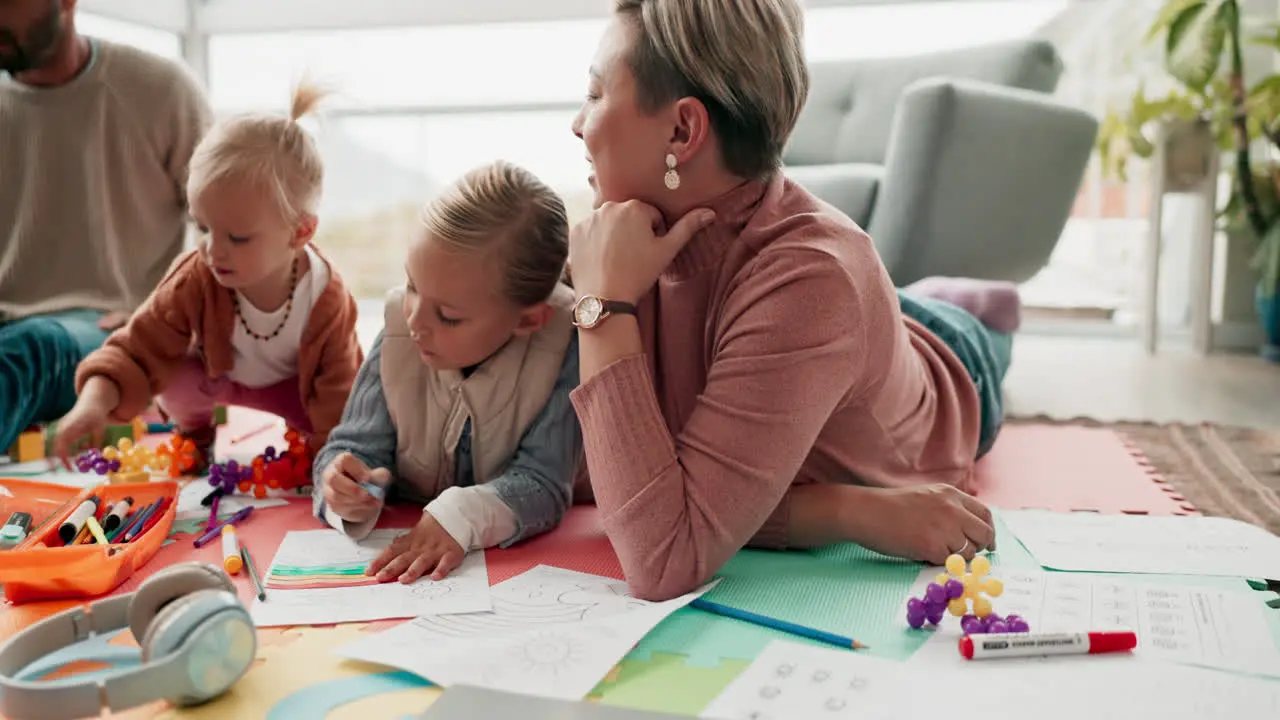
672, 178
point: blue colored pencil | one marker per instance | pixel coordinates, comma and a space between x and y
776, 624
142, 522
132, 521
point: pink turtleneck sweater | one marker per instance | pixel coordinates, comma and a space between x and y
775, 354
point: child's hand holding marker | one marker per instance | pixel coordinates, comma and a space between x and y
352, 490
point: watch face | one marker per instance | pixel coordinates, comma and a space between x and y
588, 311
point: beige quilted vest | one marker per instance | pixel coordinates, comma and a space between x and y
501, 397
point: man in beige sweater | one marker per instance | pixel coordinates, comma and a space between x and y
94, 143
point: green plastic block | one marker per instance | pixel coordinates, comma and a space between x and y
220, 415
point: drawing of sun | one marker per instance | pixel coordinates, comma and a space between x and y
428, 590
549, 653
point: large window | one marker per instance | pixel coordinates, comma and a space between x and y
416, 107
165, 44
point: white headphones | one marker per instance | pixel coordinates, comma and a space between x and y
196, 636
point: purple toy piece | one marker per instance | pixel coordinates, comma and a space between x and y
971, 625
997, 628
954, 589
935, 618
935, 594
1018, 626
916, 613
269, 454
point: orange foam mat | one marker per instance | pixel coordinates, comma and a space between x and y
1031, 466
1069, 469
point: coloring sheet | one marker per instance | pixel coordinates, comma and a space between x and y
551, 633
1089, 542
189, 497
1176, 623
788, 680
465, 590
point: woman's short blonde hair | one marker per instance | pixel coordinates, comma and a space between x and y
503, 208
269, 152
743, 59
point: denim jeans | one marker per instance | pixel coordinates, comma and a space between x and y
38, 359
985, 353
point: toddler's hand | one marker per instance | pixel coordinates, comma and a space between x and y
425, 548
88, 419
342, 491
927, 524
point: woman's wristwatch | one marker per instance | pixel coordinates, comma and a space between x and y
591, 310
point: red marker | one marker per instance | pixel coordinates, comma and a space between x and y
1008, 645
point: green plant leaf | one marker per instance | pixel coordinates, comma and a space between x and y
1170, 12
1196, 39
1266, 261
1269, 37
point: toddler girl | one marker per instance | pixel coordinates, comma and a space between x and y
253, 317
463, 402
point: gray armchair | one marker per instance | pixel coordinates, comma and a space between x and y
957, 163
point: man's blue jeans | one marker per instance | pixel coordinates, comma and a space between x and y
38, 359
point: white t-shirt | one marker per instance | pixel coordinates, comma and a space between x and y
262, 363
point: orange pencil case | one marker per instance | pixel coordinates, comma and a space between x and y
41, 567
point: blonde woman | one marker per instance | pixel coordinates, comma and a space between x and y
463, 404
749, 373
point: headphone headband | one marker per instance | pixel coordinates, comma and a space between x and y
157, 678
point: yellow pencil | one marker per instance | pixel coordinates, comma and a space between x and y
96, 530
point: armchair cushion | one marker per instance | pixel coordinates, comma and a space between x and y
851, 187
850, 109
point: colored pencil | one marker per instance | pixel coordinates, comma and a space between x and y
141, 525
253, 573
152, 521
96, 530
776, 624
252, 433
130, 521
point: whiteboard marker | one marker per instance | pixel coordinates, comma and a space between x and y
231, 560
72, 526
1010, 645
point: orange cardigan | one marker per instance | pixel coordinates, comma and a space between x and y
190, 310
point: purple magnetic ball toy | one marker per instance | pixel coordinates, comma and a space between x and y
954, 589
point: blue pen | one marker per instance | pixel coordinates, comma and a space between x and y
783, 625
141, 523
129, 523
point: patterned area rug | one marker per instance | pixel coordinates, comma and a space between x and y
1225, 471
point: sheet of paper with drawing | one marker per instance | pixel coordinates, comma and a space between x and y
322, 576
788, 680
1204, 626
1088, 542
552, 633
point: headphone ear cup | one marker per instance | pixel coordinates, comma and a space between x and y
216, 637
168, 585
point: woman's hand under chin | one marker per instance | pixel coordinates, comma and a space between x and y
617, 254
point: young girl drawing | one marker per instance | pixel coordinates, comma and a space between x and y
463, 402
254, 317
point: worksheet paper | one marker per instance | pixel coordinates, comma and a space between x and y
1203, 626
191, 495
788, 680
1089, 542
552, 633
465, 590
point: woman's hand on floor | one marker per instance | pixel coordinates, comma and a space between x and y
925, 523
342, 491
427, 548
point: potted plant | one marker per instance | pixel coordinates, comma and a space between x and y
1202, 51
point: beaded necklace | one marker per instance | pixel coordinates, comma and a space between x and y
288, 307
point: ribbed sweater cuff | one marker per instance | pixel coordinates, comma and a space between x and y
773, 534
626, 438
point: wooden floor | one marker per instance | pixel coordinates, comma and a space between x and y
1114, 379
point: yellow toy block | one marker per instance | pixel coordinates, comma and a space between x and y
124, 478
29, 446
